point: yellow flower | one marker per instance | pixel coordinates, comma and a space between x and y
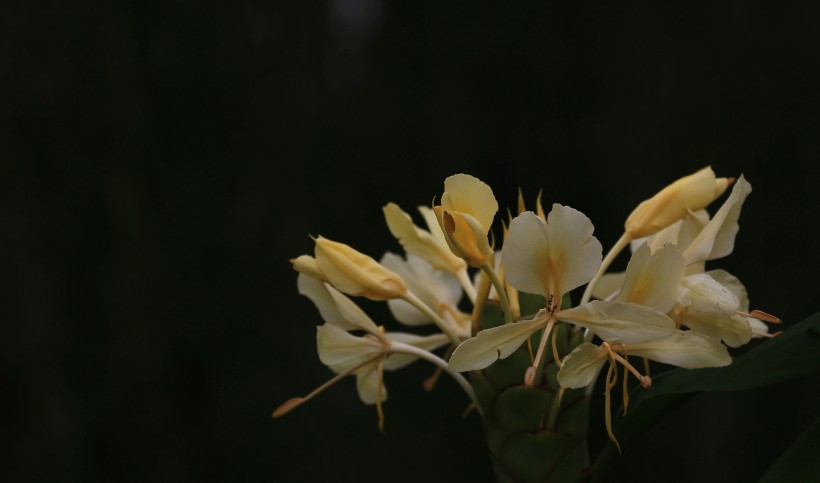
355, 273
690, 193
465, 215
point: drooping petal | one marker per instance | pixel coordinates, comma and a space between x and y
492, 344
551, 257
652, 279
351, 312
684, 349
341, 350
582, 365
367, 384
733, 329
469, 195
717, 239
420, 242
355, 273
318, 293
619, 322
701, 292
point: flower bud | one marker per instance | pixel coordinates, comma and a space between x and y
690, 193
465, 237
467, 209
307, 265
355, 273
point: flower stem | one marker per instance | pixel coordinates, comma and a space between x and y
610, 257
416, 302
502, 294
408, 349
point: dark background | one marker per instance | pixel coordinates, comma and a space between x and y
161, 162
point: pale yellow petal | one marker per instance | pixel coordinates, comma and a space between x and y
609, 285
492, 344
652, 279
432, 224
469, 195
367, 384
683, 349
619, 322
581, 366
307, 265
717, 239
341, 350
420, 242
551, 257
701, 292
351, 312
734, 330
318, 293
733, 285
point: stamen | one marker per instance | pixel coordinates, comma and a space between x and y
555, 349
295, 402
430, 383
766, 334
611, 381
626, 391
760, 315
645, 381
379, 409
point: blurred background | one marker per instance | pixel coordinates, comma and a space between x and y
160, 162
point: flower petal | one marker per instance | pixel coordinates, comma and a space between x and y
318, 293
717, 239
492, 344
734, 330
341, 350
551, 257
652, 279
582, 365
701, 292
420, 242
619, 322
733, 285
469, 195
355, 273
351, 312
367, 384
609, 285
436, 288
683, 349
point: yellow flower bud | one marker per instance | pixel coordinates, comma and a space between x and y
465, 216
307, 265
690, 193
355, 273
465, 237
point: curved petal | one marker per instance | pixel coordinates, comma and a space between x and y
652, 279
352, 313
701, 292
367, 384
619, 322
341, 350
733, 285
734, 330
492, 344
469, 195
684, 349
318, 293
434, 287
420, 242
582, 365
717, 239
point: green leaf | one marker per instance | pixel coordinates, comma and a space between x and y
794, 353
799, 462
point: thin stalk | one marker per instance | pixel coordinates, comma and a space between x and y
556, 405
400, 347
416, 302
502, 294
610, 257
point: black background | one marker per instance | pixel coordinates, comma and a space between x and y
161, 162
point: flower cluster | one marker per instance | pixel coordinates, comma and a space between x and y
665, 307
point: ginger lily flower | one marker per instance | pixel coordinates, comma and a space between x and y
465, 216
366, 356
551, 258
